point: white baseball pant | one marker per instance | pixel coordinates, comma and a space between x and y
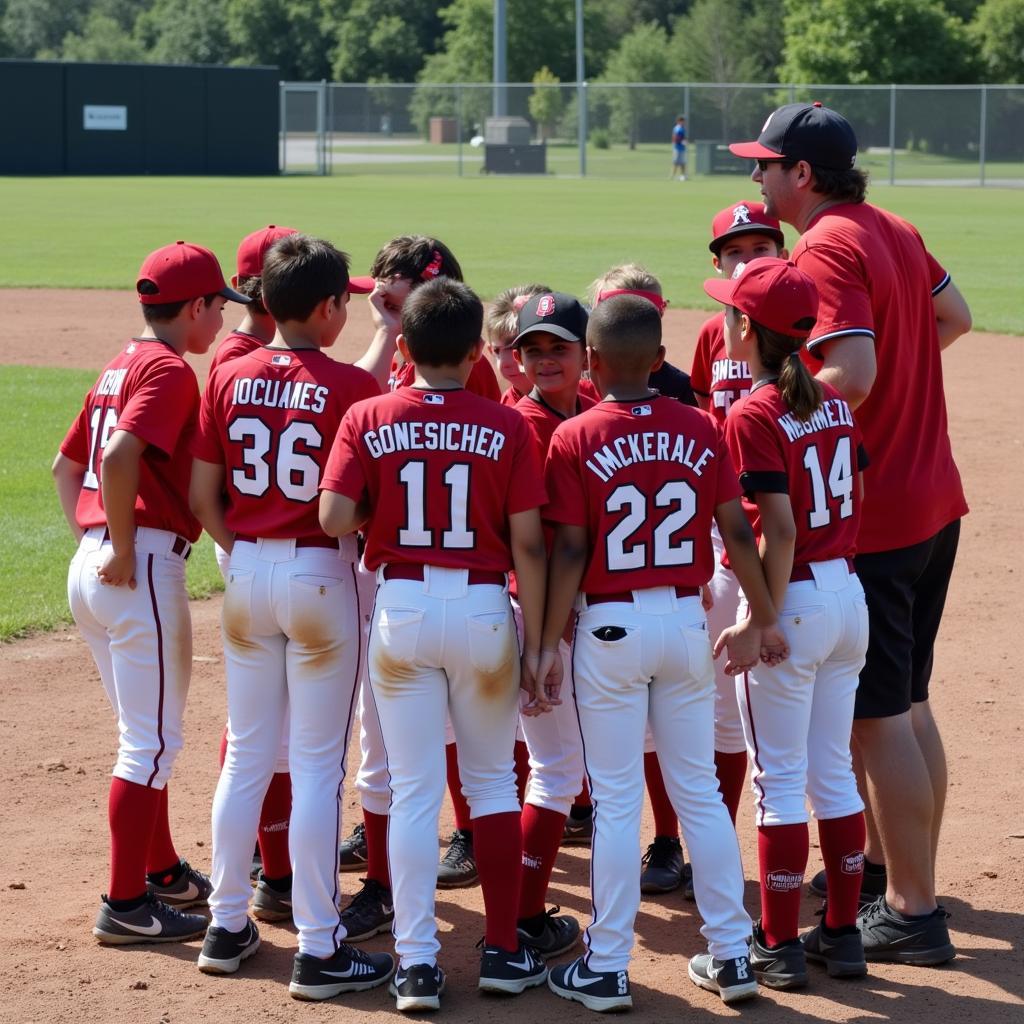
798, 715
141, 641
291, 640
440, 646
725, 589
659, 669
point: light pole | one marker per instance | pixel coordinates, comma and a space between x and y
581, 91
500, 103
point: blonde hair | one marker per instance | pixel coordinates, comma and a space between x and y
631, 276
503, 312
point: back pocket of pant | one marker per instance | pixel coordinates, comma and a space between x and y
493, 651
397, 634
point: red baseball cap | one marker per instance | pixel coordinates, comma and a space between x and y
361, 285
743, 218
253, 248
772, 292
180, 272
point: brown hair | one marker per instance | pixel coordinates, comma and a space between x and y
165, 312
846, 186
780, 354
252, 287
631, 276
441, 322
299, 272
503, 316
410, 255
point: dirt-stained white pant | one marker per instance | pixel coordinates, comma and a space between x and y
634, 663
291, 641
440, 645
141, 641
797, 715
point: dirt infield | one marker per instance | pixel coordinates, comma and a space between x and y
57, 743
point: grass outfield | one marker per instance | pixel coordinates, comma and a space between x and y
93, 232
34, 557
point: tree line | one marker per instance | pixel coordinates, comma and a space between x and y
798, 41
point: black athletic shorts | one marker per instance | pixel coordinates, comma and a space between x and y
906, 592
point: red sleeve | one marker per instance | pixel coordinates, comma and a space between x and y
483, 381
728, 484
754, 447
344, 472
700, 371
160, 405
75, 445
206, 444
844, 305
561, 474
588, 393
526, 480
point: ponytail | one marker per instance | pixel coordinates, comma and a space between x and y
780, 354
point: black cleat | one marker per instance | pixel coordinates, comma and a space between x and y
224, 951
348, 970
559, 933
153, 921
603, 991
663, 865
732, 979
352, 854
892, 938
417, 988
369, 912
781, 967
458, 866
512, 973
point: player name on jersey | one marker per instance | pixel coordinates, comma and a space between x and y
647, 446
833, 412
280, 394
729, 369
111, 381
411, 436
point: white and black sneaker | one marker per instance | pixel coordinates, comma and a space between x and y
352, 855
417, 988
603, 991
733, 979
501, 971
224, 951
269, 903
348, 970
549, 933
151, 921
190, 888
370, 912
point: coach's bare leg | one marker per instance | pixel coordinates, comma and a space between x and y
930, 744
873, 843
900, 791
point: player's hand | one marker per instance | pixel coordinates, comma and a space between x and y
550, 675
384, 315
742, 643
707, 599
117, 570
535, 703
774, 648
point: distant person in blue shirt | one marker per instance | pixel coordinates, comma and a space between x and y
679, 148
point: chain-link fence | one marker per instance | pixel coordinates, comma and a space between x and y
963, 135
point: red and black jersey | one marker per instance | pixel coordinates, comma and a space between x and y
511, 395
443, 470
815, 462
147, 390
542, 419
234, 345
482, 379
875, 277
644, 478
269, 418
714, 375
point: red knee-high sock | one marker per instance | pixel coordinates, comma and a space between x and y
842, 850
782, 854
223, 746
521, 754
542, 835
376, 826
731, 770
583, 798
498, 846
273, 832
459, 804
131, 810
665, 821
162, 855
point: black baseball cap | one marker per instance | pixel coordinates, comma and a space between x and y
555, 312
804, 131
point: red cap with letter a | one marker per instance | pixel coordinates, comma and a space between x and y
180, 272
743, 218
773, 293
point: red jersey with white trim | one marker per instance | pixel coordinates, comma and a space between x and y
234, 345
815, 462
542, 419
645, 478
714, 375
511, 395
875, 277
149, 391
443, 470
269, 418
482, 379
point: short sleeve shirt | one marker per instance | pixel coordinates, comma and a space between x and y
482, 379
234, 345
147, 390
644, 478
875, 277
443, 472
714, 375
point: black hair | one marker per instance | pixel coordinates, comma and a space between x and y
410, 255
299, 272
626, 331
846, 186
165, 312
441, 322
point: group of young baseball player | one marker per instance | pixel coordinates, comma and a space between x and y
586, 564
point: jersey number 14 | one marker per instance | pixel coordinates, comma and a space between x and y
839, 483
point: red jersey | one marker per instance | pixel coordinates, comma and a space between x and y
588, 389
542, 419
482, 379
234, 345
816, 463
269, 418
511, 395
645, 478
444, 470
714, 375
875, 277
150, 391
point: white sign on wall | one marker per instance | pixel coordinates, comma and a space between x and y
105, 119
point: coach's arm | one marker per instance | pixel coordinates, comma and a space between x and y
952, 315
848, 364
